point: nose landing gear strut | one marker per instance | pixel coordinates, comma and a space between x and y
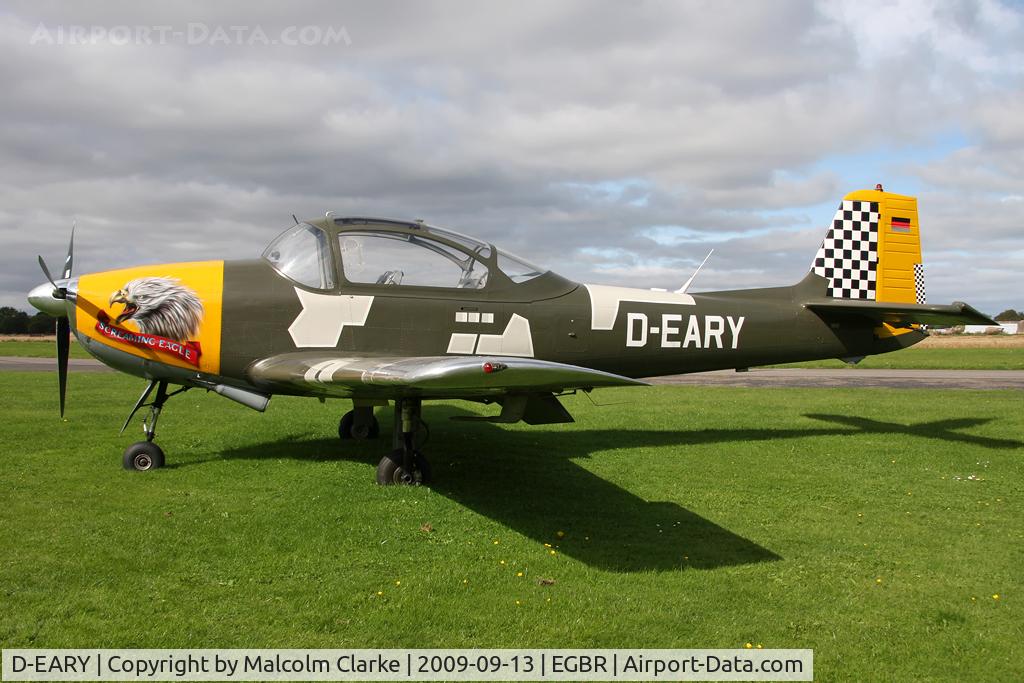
146, 455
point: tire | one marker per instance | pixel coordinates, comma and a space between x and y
390, 471
345, 426
143, 456
349, 429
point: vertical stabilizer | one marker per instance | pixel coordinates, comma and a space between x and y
873, 249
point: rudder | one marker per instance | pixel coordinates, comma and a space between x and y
872, 251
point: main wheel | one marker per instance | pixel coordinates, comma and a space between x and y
349, 428
143, 456
390, 470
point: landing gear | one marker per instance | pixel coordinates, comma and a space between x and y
359, 423
391, 471
145, 455
405, 464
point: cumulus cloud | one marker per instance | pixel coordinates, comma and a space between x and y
566, 131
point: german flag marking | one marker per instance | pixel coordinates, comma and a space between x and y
898, 224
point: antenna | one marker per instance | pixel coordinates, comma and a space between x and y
686, 285
295, 219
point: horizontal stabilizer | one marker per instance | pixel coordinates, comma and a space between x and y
900, 314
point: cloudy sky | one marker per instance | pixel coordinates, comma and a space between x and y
614, 142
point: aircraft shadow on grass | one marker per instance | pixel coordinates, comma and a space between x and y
528, 481
936, 429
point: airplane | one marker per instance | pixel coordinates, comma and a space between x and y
385, 312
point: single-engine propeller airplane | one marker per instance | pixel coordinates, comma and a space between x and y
381, 311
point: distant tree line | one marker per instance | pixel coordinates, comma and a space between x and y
1010, 314
13, 321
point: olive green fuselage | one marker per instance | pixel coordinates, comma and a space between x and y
718, 330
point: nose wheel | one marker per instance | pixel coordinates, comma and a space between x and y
143, 456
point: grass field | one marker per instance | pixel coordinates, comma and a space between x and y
37, 348
875, 526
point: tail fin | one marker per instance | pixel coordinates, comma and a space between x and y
871, 263
873, 249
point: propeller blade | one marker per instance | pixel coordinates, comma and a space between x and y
63, 351
71, 250
46, 271
58, 292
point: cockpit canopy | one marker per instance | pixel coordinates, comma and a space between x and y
303, 254
366, 251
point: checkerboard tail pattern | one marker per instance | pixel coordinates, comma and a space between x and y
919, 282
848, 258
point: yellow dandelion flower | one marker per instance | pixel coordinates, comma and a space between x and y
552, 552
549, 599
974, 599
495, 542
547, 545
518, 603
760, 646
519, 573
398, 583
748, 645
995, 596
878, 580
465, 581
379, 593
503, 562
560, 534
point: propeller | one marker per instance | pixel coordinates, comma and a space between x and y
63, 323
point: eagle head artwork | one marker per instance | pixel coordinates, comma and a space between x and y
161, 306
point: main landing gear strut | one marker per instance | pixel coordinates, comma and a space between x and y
405, 464
146, 455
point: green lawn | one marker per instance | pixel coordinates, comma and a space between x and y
932, 359
874, 526
38, 349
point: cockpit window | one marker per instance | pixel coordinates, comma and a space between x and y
518, 270
303, 254
470, 244
384, 258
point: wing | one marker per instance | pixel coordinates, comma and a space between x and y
899, 314
330, 373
